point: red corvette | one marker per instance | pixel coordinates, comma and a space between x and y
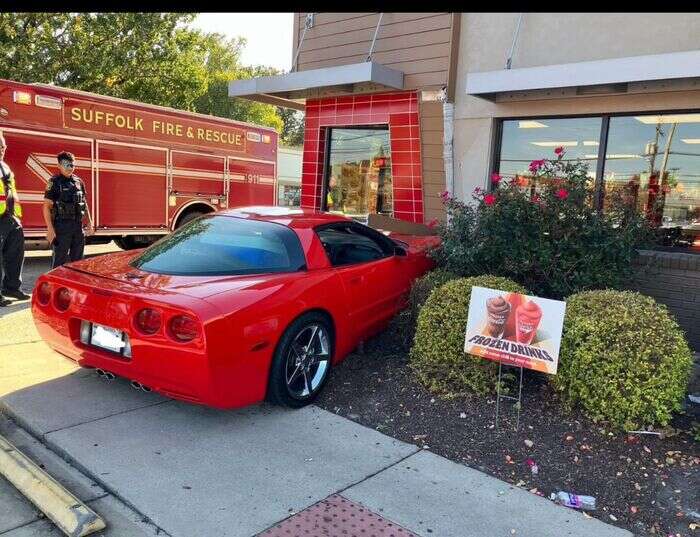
234, 307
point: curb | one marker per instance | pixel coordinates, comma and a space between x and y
69, 514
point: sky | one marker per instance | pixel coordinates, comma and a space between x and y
269, 35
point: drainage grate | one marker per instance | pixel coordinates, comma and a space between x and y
336, 517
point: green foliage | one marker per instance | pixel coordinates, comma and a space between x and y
420, 290
623, 359
293, 130
546, 236
423, 286
148, 57
437, 356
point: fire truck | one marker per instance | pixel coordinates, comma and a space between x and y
147, 169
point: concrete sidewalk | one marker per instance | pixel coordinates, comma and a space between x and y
194, 471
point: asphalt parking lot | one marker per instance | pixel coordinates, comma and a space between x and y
154, 466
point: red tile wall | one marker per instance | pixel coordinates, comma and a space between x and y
399, 111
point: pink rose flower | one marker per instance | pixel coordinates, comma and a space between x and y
445, 195
489, 199
562, 193
559, 151
536, 165
495, 178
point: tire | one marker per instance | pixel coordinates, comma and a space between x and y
188, 217
125, 243
130, 243
293, 384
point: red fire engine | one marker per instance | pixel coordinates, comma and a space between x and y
147, 169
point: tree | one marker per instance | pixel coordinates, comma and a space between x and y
293, 129
149, 57
222, 65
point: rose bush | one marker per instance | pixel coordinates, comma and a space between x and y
545, 234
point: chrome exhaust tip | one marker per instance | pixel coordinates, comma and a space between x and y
136, 385
100, 372
146, 388
109, 376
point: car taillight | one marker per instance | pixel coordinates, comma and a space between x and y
43, 294
62, 299
148, 321
183, 328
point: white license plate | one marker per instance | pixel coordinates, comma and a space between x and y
107, 338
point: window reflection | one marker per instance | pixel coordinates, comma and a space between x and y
654, 162
526, 140
359, 178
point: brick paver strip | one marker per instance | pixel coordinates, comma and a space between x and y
336, 517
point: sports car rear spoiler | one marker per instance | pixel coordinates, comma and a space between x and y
382, 222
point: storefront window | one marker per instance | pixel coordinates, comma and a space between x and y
651, 160
654, 162
526, 140
358, 177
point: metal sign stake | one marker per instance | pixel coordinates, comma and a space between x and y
518, 399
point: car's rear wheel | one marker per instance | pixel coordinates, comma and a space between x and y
302, 361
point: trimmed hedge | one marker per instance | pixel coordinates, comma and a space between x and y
423, 286
623, 359
437, 355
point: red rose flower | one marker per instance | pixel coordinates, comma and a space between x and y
536, 165
445, 195
495, 178
559, 151
562, 193
489, 199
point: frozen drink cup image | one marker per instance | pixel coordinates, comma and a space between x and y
514, 299
497, 311
527, 319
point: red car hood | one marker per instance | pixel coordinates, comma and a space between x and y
116, 267
417, 244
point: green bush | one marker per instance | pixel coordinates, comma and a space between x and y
623, 359
405, 322
423, 286
437, 356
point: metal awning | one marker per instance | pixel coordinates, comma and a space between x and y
610, 76
292, 89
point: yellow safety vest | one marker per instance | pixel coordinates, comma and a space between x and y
5, 169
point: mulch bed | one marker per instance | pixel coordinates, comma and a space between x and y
646, 484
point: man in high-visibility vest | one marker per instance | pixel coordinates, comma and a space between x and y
11, 234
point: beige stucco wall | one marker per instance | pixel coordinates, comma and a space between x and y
548, 38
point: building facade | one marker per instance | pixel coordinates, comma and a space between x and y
403, 106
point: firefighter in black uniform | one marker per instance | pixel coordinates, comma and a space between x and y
64, 210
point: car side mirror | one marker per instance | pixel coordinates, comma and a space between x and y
398, 250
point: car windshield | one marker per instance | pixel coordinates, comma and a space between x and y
224, 245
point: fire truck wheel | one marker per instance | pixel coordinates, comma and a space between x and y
188, 217
126, 243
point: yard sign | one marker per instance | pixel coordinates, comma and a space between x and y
514, 329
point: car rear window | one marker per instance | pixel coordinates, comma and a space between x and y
224, 245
